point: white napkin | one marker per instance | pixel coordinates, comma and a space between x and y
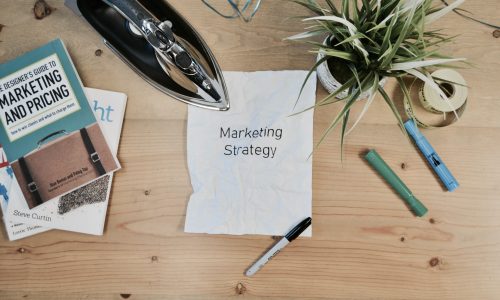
250, 167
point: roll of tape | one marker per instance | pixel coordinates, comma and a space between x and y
455, 88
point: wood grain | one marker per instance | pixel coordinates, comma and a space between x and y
365, 243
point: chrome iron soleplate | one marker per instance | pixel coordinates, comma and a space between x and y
171, 55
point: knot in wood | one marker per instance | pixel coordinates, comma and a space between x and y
434, 261
240, 288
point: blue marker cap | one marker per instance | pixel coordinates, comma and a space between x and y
432, 158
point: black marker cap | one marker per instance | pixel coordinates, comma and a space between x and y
297, 230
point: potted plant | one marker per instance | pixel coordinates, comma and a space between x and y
367, 42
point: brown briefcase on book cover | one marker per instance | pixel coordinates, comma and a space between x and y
63, 164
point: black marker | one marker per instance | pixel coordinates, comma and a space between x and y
292, 235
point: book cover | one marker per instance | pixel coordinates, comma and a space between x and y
15, 230
83, 210
49, 133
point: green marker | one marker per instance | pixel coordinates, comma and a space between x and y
397, 184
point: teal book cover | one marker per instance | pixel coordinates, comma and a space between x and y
49, 133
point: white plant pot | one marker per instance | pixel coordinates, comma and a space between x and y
331, 84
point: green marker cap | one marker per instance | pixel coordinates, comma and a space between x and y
395, 182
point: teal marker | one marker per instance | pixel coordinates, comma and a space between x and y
395, 182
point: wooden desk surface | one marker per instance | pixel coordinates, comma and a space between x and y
365, 243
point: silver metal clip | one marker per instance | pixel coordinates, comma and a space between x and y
32, 187
95, 157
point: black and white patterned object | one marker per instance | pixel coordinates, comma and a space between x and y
93, 192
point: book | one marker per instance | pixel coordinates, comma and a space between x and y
14, 230
52, 140
83, 210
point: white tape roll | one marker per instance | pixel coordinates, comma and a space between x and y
454, 86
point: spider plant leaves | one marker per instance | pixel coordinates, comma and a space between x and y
328, 99
345, 87
407, 6
371, 97
440, 13
394, 109
382, 23
311, 5
406, 93
438, 79
420, 64
336, 53
347, 106
313, 68
305, 35
334, 10
345, 119
354, 73
366, 10
376, 39
350, 27
354, 93
354, 37
336, 19
402, 35
404, 89
345, 8
386, 41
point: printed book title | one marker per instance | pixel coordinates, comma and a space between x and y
34, 97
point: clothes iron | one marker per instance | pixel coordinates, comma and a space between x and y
162, 47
